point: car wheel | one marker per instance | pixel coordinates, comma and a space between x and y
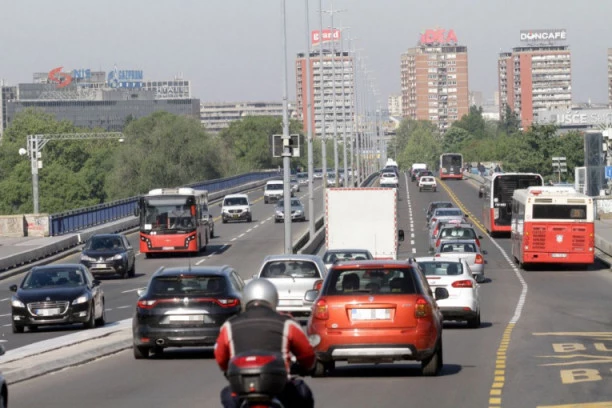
420, 189
125, 274
249, 219
17, 329
432, 366
91, 322
319, 370
265, 200
3, 401
158, 350
474, 322
141, 352
132, 271
101, 321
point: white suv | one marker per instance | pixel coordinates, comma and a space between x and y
236, 207
274, 191
427, 183
389, 179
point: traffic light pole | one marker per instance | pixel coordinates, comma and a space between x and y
286, 140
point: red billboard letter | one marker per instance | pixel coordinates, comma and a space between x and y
451, 37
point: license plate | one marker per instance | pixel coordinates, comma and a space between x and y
101, 266
186, 318
371, 314
167, 248
47, 312
559, 255
236, 215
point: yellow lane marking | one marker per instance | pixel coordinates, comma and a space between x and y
471, 217
576, 334
585, 405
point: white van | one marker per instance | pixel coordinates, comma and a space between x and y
274, 191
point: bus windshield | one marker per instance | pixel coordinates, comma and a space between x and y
170, 215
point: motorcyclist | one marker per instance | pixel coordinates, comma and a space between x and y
260, 327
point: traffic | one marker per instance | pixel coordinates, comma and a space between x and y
449, 292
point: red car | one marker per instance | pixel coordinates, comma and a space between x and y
375, 312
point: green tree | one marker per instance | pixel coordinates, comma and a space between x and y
454, 139
424, 146
473, 123
510, 121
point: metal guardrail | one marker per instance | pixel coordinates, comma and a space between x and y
82, 218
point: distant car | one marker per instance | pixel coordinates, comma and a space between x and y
57, 294
274, 191
293, 275
389, 179
331, 179
302, 178
297, 210
109, 254
184, 306
236, 207
465, 249
456, 277
428, 183
446, 213
437, 204
452, 231
423, 173
333, 255
295, 185
3, 387
318, 174
376, 311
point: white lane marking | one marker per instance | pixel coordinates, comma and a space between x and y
255, 226
3, 341
4, 300
241, 235
130, 290
4, 315
249, 230
123, 307
524, 288
411, 242
262, 223
412, 235
7, 325
233, 239
201, 260
107, 309
414, 250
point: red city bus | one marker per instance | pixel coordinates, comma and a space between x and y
174, 220
451, 166
552, 225
496, 193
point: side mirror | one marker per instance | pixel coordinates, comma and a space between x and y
400, 234
13, 288
466, 215
141, 291
95, 283
441, 293
311, 295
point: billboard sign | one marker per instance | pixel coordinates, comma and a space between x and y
577, 117
125, 78
62, 79
543, 36
438, 36
81, 73
328, 36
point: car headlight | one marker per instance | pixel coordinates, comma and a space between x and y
81, 299
117, 257
314, 340
87, 258
298, 212
278, 212
16, 302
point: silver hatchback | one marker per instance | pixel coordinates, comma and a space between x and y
466, 249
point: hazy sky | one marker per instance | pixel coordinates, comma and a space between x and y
231, 50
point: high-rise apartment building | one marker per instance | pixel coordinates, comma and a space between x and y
536, 76
610, 77
394, 105
336, 97
434, 78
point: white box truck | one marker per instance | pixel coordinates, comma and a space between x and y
363, 218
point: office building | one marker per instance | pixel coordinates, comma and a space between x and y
536, 76
610, 77
7, 93
394, 105
216, 116
434, 79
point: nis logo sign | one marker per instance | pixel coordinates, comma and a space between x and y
438, 36
63, 79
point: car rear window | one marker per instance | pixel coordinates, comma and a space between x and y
382, 281
465, 233
427, 179
187, 285
290, 269
441, 268
389, 175
332, 257
448, 213
450, 247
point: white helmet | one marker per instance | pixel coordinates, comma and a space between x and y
261, 291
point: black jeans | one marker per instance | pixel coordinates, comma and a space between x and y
296, 394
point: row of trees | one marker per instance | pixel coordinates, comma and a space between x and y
161, 150
482, 140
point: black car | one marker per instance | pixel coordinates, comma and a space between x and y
57, 294
3, 386
185, 306
109, 254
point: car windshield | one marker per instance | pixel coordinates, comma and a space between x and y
457, 233
236, 201
451, 247
275, 186
441, 268
54, 278
333, 256
104, 243
184, 285
384, 281
290, 269
294, 203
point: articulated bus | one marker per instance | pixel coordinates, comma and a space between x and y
552, 225
451, 166
496, 193
174, 220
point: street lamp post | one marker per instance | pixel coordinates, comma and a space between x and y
311, 213
322, 83
286, 139
35, 144
344, 147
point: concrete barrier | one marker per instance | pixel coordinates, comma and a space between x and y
12, 226
37, 225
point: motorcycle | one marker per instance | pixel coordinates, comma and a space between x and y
257, 377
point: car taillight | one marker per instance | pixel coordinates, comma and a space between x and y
479, 259
438, 243
421, 308
462, 284
252, 361
321, 311
318, 285
146, 304
230, 302
433, 220
435, 233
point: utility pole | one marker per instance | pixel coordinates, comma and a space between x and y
311, 212
323, 109
287, 153
344, 147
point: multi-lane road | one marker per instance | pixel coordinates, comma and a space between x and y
545, 340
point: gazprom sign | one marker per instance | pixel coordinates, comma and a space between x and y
125, 78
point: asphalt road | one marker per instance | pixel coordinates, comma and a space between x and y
565, 319
239, 244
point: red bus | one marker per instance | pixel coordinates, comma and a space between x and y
496, 193
174, 220
451, 166
552, 225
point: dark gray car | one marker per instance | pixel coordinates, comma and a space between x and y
109, 254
